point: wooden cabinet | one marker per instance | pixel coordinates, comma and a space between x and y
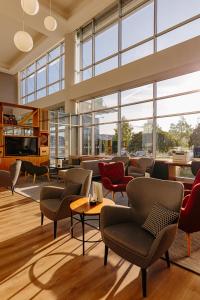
24, 121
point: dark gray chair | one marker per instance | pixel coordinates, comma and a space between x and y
195, 166
9, 178
121, 227
55, 201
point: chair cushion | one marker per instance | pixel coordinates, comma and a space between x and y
158, 218
71, 188
130, 236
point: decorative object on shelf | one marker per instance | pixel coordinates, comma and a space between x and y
9, 119
30, 7
50, 22
23, 40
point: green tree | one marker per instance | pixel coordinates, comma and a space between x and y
126, 132
136, 142
165, 141
194, 139
181, 132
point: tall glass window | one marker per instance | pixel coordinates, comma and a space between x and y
43, 77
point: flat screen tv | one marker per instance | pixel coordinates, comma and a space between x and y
21, 146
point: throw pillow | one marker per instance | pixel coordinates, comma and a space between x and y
159, 218
71, 188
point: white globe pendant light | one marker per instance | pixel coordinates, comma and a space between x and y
50, 23
30, 7
23, 41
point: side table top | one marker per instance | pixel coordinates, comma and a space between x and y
82, 205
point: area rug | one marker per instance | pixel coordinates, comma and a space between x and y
178, 252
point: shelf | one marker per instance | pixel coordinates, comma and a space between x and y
20, 126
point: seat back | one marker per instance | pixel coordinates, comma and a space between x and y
114, 171
195, 166
144, 192
145, 164
14, 171
82, 176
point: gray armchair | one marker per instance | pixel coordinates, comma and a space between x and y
143, 165
121, 227
55, 201
9, 178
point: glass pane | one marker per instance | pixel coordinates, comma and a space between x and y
137, 111
31, 97
62, 49
41, 78
74, 140
23, 74
87, 141
110, 115
23, 88
86, 119
87, 53
142, 20
105, 101
179, 35
86, 31
54, 71
171, 13
141, 93
179, 84
54, 88
54, 53
178, 133
87, 74
137, 138
106, 65
30, 84
85, 106
106, 18
74, 120
106, 139
42, 61
30, 69
106, 42
137, 52
63, 66
41, 93
180, 104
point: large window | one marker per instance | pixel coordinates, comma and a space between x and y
156, 119
131, 30
43, 77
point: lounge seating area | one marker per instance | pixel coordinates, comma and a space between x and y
99, 150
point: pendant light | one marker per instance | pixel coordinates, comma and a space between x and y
30, 7
50, 22
23, 40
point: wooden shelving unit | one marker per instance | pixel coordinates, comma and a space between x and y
24, 121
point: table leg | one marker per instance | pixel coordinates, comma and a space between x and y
83, 231
72, 229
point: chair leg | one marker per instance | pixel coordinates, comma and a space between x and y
42, 218
144, 282
48, 177
12, 189
55, 229
34, 177
167, 258
106, 255
188, 243
113, 196
122, 194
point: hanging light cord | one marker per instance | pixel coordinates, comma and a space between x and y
50, 7
22, 17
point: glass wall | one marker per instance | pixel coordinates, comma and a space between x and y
43, 77
131, 30
152, 120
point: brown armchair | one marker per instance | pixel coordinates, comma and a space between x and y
9, 178
54, 201
121, 227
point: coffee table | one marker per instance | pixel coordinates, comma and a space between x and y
82, 207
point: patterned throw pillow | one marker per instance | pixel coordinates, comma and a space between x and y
71, 188
159, 218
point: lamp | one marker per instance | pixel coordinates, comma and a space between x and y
50, 22
23, 41
30, 7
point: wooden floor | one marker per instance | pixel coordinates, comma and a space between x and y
34, 266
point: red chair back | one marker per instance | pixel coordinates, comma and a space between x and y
114, 171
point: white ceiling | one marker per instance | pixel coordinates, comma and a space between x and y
70, 15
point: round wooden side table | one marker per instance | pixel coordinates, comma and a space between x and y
84, 208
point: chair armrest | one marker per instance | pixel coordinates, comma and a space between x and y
5, 178
126, 179
111, 215
50, 192
64, 208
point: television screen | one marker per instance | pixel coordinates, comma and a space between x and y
21, 146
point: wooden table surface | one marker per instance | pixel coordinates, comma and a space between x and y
82, 205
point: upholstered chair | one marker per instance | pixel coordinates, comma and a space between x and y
113, 177
30, 169
123, 230
9, 178
143, 165
189, 220
189, 186
55, 201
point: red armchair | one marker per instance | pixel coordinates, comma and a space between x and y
189, 218
189, 186
113, 177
